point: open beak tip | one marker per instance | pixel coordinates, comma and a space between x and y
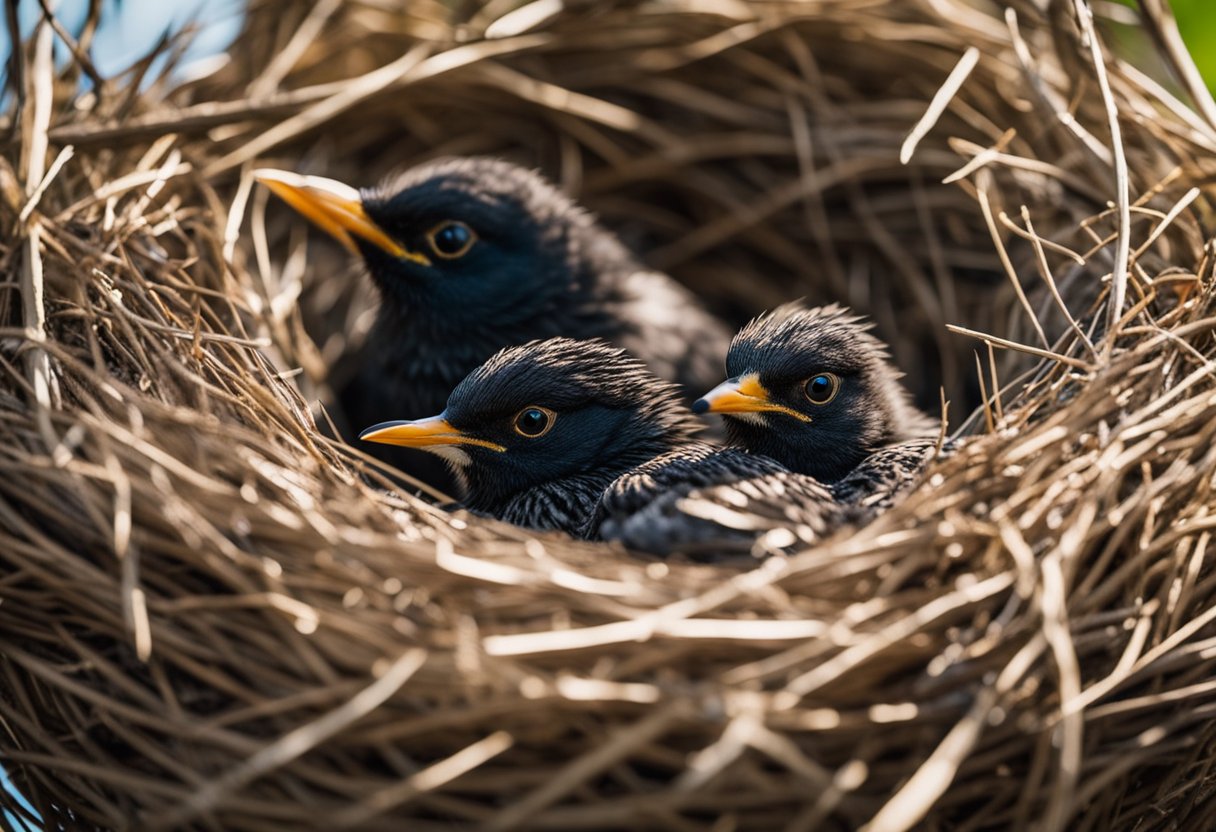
336, 208
731, 396
424, 433
370, 433
316, 185
267, 175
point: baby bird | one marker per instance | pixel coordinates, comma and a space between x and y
471, 255
814, 390
538, 432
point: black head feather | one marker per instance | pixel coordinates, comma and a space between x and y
538, 266
792, 345
534, 262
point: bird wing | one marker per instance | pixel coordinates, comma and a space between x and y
886, 474
707, 502
560, 505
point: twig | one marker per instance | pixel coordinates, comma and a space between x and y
914, 799
430, 778
1014, 345
1118, 283
38, 361
195, 118
949, 88
578, 771
985, 399
81, 57
1038, 244
211, 795
62, 159
410, 67
1010, 272
286, 58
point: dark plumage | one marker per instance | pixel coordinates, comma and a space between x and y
471, 255
698, 500
882, 476
538, 432
578, 436
814, 390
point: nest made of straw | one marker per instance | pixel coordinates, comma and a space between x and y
209, 619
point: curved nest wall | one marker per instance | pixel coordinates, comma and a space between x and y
209, 619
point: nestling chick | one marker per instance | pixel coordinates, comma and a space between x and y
538, 432
814, 390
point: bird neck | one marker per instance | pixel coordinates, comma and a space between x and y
825, 461
424, 355
829, 456
565, 503
559, 505
895, 416
908, 422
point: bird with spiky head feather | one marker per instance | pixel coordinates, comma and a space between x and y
538, 432
471, 255
812, 388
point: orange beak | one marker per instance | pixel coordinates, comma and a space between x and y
423, 433
743, 395
335, 208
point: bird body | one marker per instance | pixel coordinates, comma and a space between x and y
472, 255
698, 500
812, 388
877, 482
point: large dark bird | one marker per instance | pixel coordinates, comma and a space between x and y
814, 390
471, 255
538, 432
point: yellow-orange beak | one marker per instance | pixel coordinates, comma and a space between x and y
422, 433
743, 395
335, 208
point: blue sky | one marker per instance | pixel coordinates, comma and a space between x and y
129, 28
16, 822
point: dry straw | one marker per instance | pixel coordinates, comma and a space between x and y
208, 617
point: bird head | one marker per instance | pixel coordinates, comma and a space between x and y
458, 245
812, 388
547, 411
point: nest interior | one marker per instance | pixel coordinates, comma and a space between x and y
210, 618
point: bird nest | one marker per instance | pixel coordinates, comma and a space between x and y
211, 616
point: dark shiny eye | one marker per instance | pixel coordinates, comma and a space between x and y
534, 421
451, 239
822, 388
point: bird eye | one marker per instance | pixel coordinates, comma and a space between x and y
451, 239
822, 388
533, 422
